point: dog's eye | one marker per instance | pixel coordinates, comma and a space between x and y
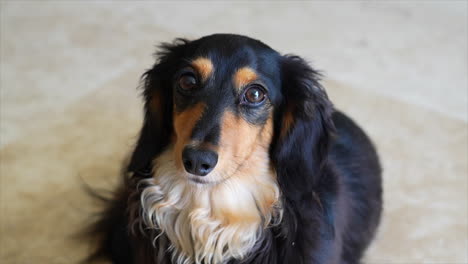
254, 95
188, 82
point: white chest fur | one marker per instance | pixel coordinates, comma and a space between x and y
210, 223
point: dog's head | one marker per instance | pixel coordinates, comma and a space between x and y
223, 100
234, 131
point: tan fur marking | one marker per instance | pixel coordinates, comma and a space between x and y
267, 132
243, 150
184, 123
244, 76
237, 138
288, 122
204, 67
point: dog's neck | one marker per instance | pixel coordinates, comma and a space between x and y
214, 223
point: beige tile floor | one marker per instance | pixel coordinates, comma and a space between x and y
69, 108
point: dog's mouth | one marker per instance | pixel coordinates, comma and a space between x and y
197, 180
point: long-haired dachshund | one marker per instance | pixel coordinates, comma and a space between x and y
241, 159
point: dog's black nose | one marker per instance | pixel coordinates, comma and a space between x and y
199, 161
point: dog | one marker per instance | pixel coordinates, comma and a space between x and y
241, 158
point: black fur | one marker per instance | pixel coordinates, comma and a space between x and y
328, 170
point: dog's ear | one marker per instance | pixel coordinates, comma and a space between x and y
157, 93
303, 126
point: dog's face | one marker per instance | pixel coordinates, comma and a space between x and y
223, 96
222, 100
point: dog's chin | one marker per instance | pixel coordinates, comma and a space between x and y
197, 180
202, 180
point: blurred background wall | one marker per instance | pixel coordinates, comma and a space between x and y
70, 110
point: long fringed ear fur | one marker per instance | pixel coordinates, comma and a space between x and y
303, 124
303, 131
157, 92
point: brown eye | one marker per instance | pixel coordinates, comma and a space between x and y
187, 82
254, 95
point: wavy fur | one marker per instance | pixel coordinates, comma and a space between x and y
202, 230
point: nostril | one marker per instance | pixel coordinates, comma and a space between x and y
205, 167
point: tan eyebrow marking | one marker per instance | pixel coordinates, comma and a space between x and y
244, 76
204, 67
